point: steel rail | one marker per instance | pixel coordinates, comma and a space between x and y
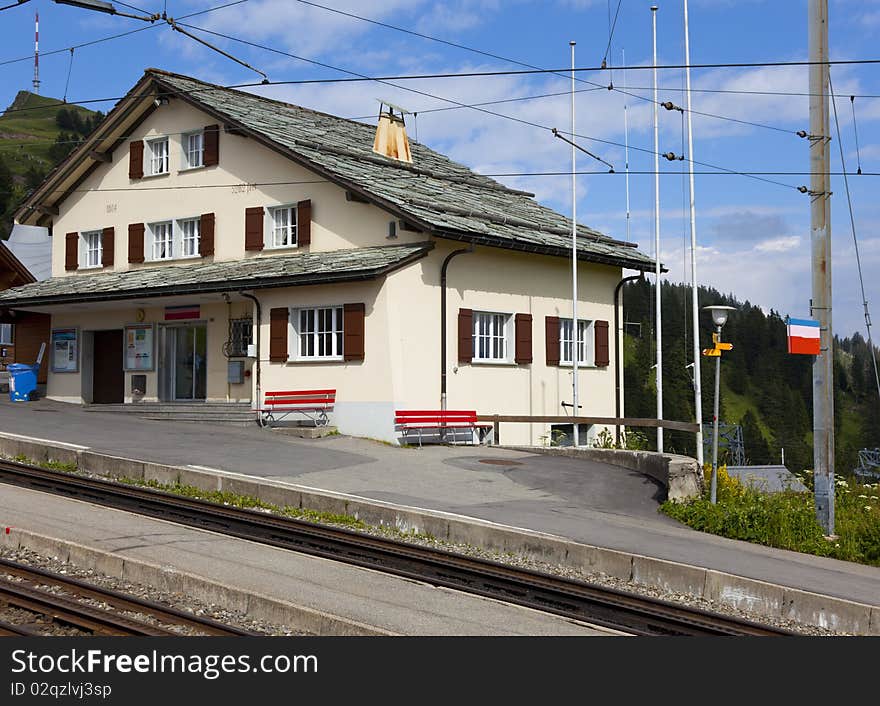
577, 600
12, 630
164, 615
70, 612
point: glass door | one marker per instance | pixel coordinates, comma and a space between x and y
190, 358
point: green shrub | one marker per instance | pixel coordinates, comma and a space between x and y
787, 519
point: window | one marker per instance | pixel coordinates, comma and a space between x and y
194, 149
584, 343
490, 336
91, 249
189, 230
319, 332
157, 152
241, 335
163, 240
283, 224
6, 334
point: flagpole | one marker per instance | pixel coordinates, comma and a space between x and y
574, 267
657, 240
695, 307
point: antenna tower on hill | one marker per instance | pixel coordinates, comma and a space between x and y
37, 54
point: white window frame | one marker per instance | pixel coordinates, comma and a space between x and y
150, 158
4, 340
85, 250
586, 343
291, 228
188, 152
153, 227
180, 228
300, 334
493, 327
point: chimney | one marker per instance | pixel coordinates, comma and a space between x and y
391, 140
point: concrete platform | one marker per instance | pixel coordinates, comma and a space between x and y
588, 503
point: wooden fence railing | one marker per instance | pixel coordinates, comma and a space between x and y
497, 419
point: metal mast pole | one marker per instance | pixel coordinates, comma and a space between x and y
657, 239
820, 230
574, 266
620, 336
695, 306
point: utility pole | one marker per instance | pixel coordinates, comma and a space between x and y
820, 235
695, 306
659, 317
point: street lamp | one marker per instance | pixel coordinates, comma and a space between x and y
719, 318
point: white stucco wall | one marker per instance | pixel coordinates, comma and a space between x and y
244, 178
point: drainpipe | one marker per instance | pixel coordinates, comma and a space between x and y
257, 338
618, 337
443, 320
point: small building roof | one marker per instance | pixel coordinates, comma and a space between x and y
216, 277
435, 194
32, 245
771, 479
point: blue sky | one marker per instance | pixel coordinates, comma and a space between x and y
753, 237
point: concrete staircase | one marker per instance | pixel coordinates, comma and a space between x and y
226, 413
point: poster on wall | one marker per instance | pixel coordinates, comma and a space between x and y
65, 350
139, 347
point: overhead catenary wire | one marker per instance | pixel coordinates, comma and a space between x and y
92, 42
67, 82
522, 63
852, 102
852, 221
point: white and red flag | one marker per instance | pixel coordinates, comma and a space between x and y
803, 336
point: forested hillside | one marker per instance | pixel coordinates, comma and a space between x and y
763, 388
36, 133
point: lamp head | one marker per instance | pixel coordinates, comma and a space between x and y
719, 313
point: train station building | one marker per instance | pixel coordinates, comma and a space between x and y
210, 245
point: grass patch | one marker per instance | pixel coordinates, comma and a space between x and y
48, 465
787, 520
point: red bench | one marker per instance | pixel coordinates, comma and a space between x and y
442, 424
313, 404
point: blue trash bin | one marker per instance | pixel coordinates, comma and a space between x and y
22, 381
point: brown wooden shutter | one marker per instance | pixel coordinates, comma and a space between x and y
253, 228
602, 358
304, 222
136, 159
353, 331
71, 251
278, 323
551, 334
136, 242
523, 338
212, 146
108, 246
465, 335
206, 234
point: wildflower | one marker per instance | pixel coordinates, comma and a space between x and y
868, 507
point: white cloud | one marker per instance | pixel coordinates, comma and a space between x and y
784, 244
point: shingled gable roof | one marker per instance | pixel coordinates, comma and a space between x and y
215, 277
435, 194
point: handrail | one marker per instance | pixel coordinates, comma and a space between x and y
496, 419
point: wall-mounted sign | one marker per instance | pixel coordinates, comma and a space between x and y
65, 350
175, 313
139, 347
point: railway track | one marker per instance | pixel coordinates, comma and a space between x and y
578, 600
62, 600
